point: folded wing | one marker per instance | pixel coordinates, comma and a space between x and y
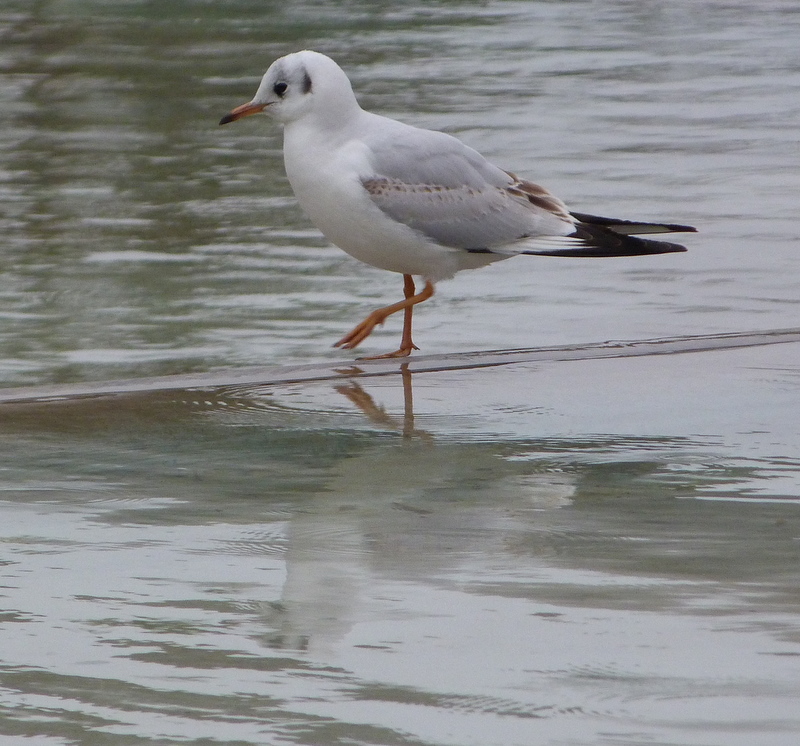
456, 198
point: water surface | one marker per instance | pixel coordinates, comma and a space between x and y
586, 552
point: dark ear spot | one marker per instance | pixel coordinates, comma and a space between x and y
306, 82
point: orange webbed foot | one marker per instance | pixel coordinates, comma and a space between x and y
364, 329
402, 352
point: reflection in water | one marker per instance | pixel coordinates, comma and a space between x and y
304, 559
376, 414
387, 509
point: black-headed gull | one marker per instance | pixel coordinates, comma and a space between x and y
415, 201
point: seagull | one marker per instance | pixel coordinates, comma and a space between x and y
416, 201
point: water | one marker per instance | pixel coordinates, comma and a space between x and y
596, 551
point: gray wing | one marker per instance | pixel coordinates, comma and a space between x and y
440, 187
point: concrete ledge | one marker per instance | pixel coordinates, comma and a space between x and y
277, 375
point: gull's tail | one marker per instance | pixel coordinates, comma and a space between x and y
597, 236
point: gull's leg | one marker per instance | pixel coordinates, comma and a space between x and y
364, 329
409, 290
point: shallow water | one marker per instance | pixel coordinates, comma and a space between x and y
595, 551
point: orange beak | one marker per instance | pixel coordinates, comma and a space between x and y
245, 110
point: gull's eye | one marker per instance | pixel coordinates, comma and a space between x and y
280, 88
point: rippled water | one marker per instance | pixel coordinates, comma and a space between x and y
597, 551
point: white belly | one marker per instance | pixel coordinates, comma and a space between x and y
327, 184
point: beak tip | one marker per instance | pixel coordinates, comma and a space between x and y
245, 110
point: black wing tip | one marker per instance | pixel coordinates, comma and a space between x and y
597, 252
630, 247
602, 241
677, 228
606, 237
612, 223
608, 242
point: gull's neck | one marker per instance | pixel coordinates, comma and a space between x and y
327, 124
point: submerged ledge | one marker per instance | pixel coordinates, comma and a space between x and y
277, 375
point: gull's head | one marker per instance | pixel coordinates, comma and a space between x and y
300, 85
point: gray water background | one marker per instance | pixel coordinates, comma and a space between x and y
594, 552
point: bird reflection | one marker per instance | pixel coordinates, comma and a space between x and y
378, 414
399, 510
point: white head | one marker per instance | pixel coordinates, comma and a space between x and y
296, 86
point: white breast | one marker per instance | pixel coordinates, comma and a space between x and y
326, 177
